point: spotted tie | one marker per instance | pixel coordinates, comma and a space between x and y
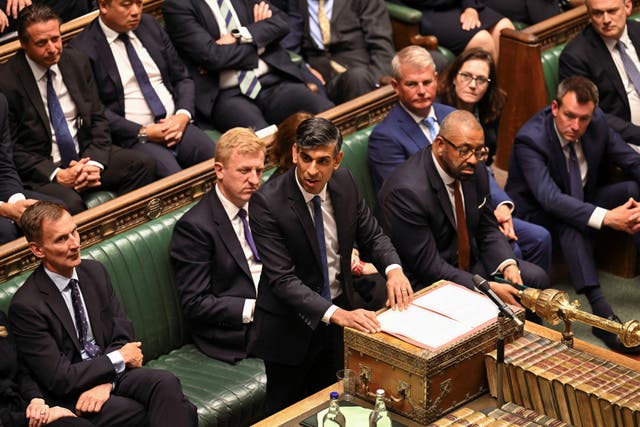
82, 322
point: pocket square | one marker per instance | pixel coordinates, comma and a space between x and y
484, 201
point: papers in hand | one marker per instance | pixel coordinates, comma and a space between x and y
440, 316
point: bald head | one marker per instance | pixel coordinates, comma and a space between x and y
455, 121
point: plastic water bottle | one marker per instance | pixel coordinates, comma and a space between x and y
379, 416
333, 417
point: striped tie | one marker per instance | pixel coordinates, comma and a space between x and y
247, 79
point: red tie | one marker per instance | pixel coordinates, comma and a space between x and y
464, 257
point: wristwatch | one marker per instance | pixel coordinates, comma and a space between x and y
142, 135
237, 35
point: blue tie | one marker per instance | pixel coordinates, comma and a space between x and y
247, 79
66, 146
629, 66
247, 234
82, 322
148, 92
317, 219
575, 177
430, 123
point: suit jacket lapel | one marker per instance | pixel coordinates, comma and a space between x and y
69, 77
558, 154
228, 235
300, 209
106, 59
412, 129
439, 187
339, 202
54, 300
601, 51
31, 89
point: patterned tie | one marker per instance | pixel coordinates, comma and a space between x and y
325, 25
575, 176
430, 123
247, 234
66, 146
319, 223
150, 95
247, 79
82, 322
464, 251
629, 66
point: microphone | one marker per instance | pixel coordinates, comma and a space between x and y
484, 287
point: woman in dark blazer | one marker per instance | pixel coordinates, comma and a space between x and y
470, 83
21, 404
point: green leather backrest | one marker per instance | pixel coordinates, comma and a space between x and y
356, 159
550, 59
141, 274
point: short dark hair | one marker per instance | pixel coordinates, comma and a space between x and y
32, 217
585, 90
316, 132
34, 14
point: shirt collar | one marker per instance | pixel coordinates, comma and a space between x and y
419, 119
38, 70
308, 196
563, 142
231, 209
59, 280
446, 178
624, 38
112, 35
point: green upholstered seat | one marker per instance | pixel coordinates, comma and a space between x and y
356, 159
99, 197
403, 13
141, 274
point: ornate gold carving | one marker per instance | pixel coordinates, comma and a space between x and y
154, 208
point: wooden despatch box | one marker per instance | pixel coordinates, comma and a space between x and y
421, 384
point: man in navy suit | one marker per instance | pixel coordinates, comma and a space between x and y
148, 94
413, 124
217, 267
600, 53
232, 49
555, 177
74, 337
435, 207
305, 224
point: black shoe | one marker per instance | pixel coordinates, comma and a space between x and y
612, 340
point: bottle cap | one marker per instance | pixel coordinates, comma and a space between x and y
380, 392
333, 395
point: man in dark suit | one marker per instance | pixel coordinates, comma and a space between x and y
352, 51
61, 137
413, 125
559, 159
75, 338
608, 53
243, 76
213, 253
305, 223
436, 210
132, 101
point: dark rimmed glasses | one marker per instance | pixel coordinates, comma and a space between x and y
464, 152
468, 78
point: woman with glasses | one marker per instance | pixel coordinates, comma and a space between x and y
470, 84
461, 24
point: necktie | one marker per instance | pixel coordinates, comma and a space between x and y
629, 66
575, 177
247, 79
319, 223
66, 146
247, 234
148, 92
430, 123
464, 251
323, 22
82, 323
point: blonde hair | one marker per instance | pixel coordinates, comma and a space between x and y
241, 140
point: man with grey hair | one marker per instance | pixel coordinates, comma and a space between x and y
555, 178
607, 52
414, 122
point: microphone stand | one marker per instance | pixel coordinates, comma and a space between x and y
500, 362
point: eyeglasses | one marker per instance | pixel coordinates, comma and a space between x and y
464, 152
468, 78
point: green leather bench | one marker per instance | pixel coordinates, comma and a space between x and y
138, 263
356, 158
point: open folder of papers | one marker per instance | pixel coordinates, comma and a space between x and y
440, 316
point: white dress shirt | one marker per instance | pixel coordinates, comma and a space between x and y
62, 284
254, 267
